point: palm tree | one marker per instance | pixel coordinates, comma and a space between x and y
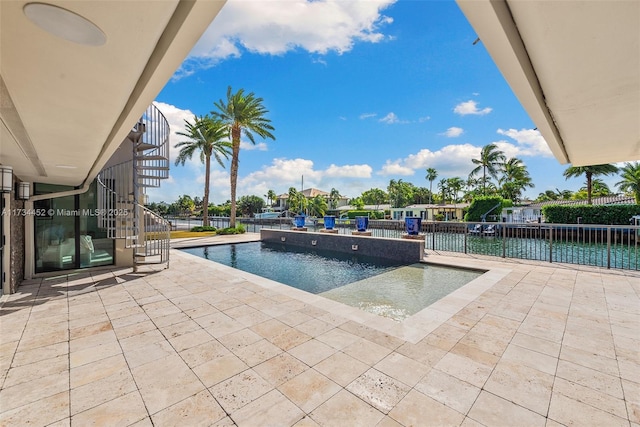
630, 183
455, 185
318, 206
271, 197
432, 174
334, 198
589, 172
208, 136
443, 185
490, 159
515, 177
242, 114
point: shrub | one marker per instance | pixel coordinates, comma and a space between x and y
200, 228
239, 229
484, 205
370, 214
590, 214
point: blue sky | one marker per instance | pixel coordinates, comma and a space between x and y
359, 93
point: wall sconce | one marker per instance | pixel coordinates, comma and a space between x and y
23, 191
283, 239
314, 242
354, 247
6, 179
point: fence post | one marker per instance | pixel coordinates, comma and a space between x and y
466, 233
550, 244
433, 238
608, 247
504, 240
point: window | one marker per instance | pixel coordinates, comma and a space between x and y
68, 237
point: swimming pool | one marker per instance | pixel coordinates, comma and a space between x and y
376, 285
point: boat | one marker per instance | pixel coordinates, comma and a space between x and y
267, 213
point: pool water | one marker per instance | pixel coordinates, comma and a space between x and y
377, 285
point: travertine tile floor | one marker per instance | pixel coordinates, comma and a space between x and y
201, 344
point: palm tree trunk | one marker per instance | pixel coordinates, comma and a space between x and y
430, 190
589, 187
205, 199
484, 180
235, 140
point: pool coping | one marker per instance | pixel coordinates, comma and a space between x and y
412, 329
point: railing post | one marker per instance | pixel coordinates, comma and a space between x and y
504, 240
466, 233
550, 244
433, 238
608, 247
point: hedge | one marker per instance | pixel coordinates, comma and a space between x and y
483, 204
590, 214
370, 214
201, 228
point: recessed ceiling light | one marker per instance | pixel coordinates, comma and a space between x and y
64, 23
66, 167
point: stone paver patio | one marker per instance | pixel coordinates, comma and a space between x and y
202, 344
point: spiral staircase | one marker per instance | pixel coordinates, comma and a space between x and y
122, 192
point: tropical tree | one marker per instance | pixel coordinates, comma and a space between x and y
599, 188
249, 205
421, 195
491, 158
209, 137
515, 178
297, 201
630, 183
271, 197
589, 172
374, 196
432, 174
318, 206
242, 114
455, 185
443, 186
161, 208
334, 198
471, 189
400, 193
357, 203
185, 205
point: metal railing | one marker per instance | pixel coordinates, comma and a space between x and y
122, 185
607, 246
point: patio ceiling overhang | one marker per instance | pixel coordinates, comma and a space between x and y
65, 107
575, 68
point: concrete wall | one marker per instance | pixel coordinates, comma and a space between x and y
404, 250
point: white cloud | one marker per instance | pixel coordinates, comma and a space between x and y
349, 171
282, 174
424, 119
529, 142
470, 107
453, 132
248, 146
273, 28
395, 168
391, 118
175, 117
455, 160
367, 115
451, 160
